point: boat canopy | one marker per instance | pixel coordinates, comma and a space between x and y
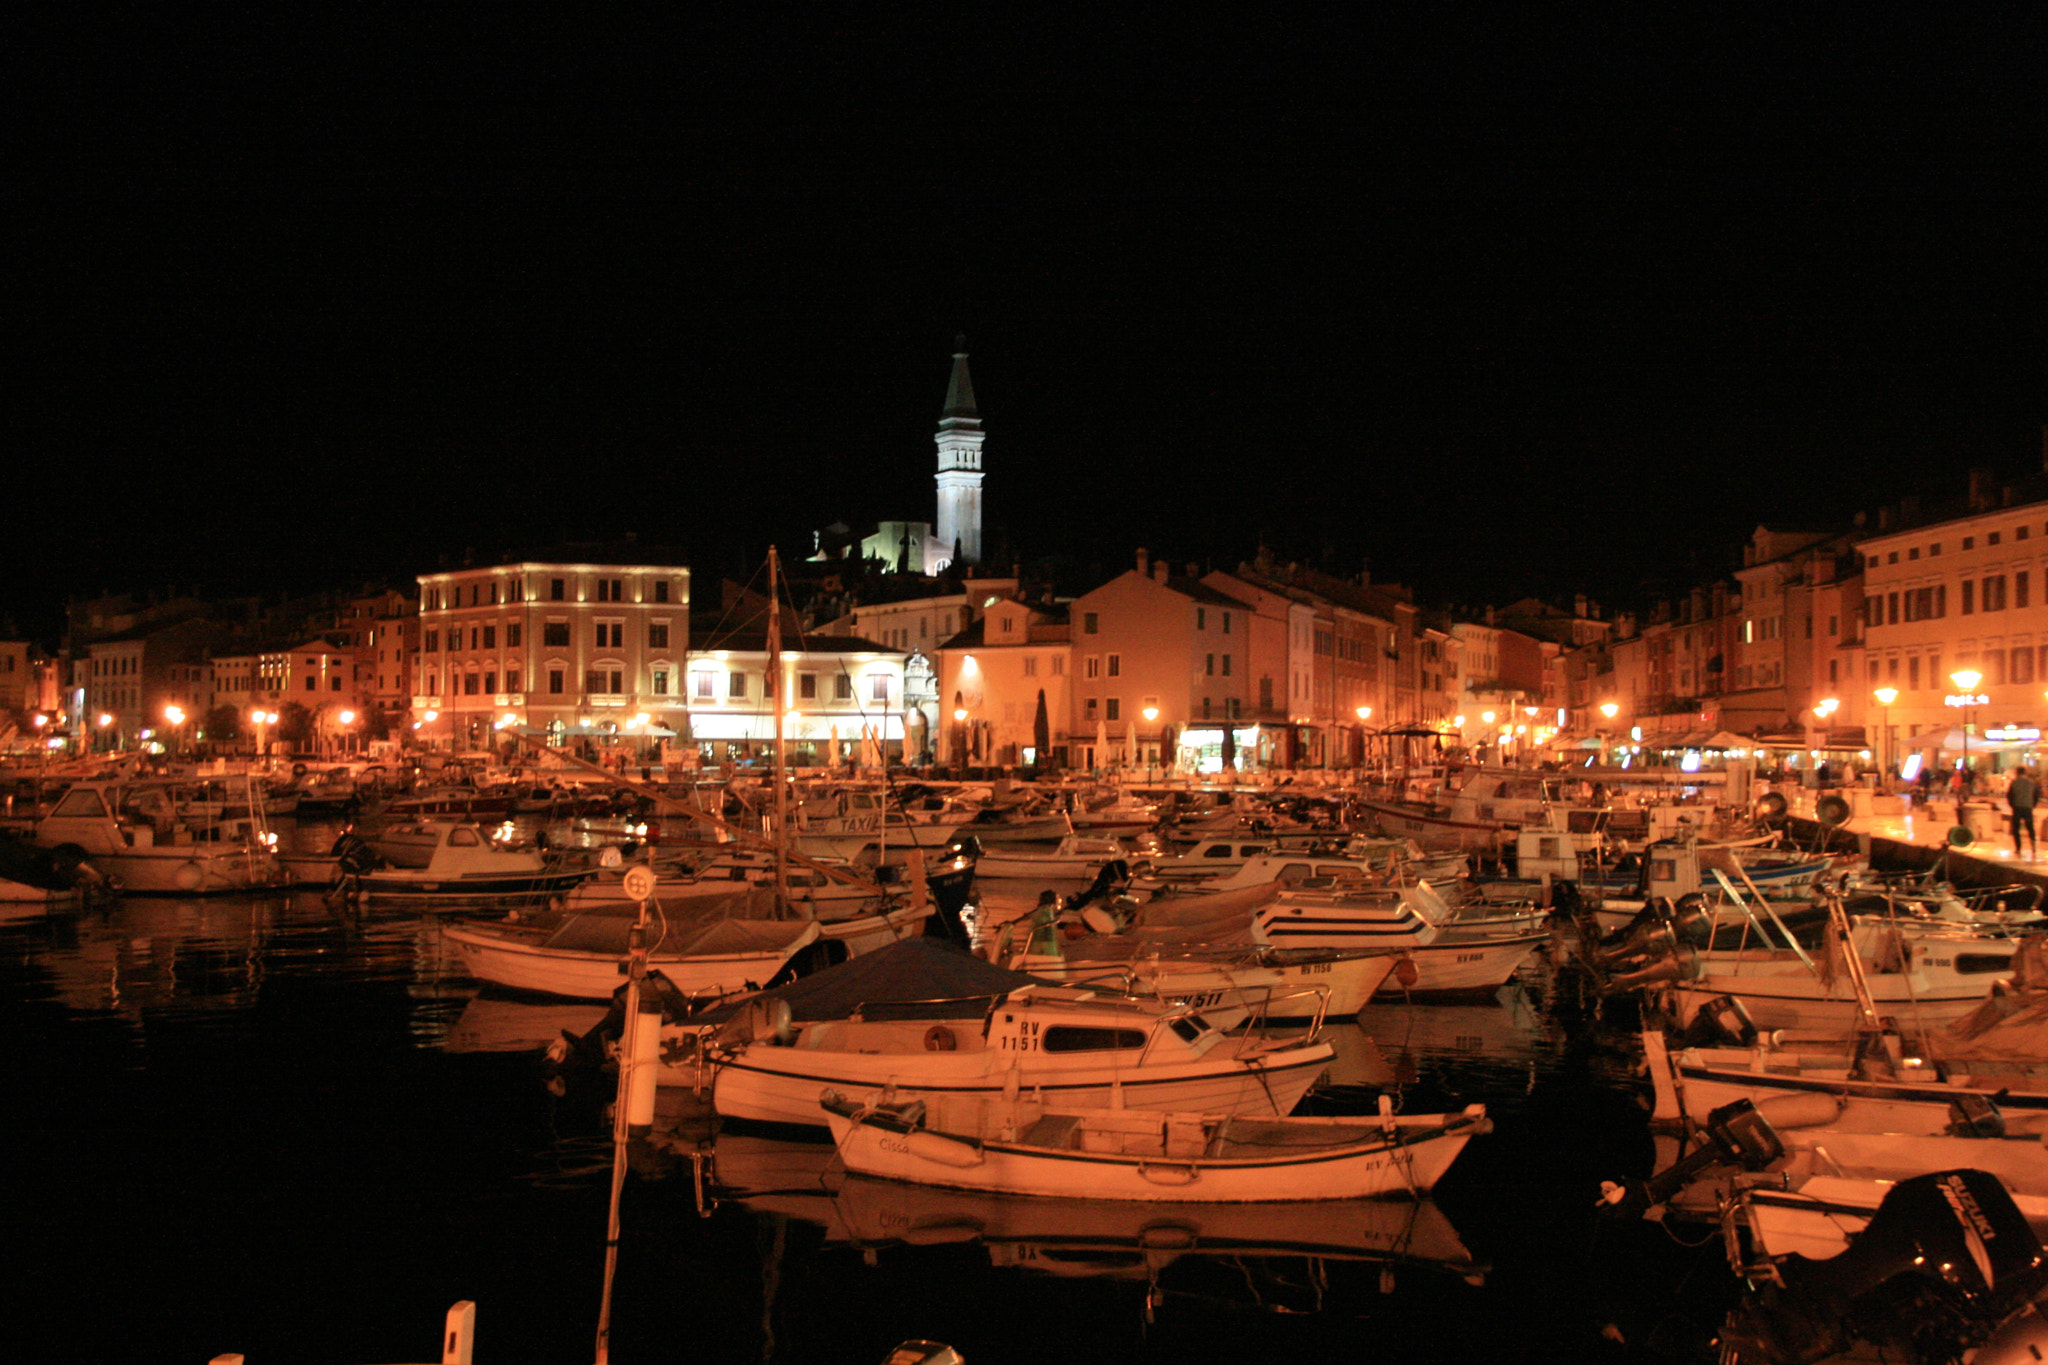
913, 970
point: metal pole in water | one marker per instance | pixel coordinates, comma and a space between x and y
629, 1051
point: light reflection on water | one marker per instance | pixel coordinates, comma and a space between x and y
301, 1080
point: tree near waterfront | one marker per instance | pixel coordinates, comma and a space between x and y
222, 725
294, 725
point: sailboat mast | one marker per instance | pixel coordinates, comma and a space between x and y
774, 691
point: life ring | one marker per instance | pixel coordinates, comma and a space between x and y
1831, 810
939, 1038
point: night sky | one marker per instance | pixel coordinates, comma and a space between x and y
1493, 308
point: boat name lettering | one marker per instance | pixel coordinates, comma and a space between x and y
1025, 1039
895, 1145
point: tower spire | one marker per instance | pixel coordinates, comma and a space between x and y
959, 479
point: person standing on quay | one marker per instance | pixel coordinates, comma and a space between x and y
2020, 796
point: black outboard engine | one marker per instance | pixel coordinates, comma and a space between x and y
1736, 1134
1721, 1022
1945, 1262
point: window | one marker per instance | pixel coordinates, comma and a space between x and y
311, 682
807, 686
881, 687
1059, 665
1113, 709
660, 688
1090, 625
657, 635
701, 684
1969, 593
661, 590
1226, 623
1088, 708
1091, 666
842, 687
490, 637
1201, 618
555, 633
558, 589
511, 680
1116, 665
611, 634
511, 635
1209, 666
594, 680
1030, 665
1994, 593
433, 642
736, 684
491, 682
1226, 665
1073, 1038
2022, 668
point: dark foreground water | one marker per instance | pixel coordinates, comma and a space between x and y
261, 1126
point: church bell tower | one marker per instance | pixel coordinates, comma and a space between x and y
959, 478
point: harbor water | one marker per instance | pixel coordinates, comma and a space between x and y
266, 1125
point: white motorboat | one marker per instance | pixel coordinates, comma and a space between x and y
1025, 1146
464, 861
1077, 857
130, 830
583, 953
926, 1019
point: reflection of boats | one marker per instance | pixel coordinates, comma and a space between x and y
496, 1023
1025, 1147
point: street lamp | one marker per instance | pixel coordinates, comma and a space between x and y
1885, 697
262, 720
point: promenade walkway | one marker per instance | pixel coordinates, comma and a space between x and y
1919, 836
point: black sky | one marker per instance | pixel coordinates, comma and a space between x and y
1493, 308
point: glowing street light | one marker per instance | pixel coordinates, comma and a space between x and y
1967, 680
1885, 697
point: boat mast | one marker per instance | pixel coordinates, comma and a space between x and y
774, 692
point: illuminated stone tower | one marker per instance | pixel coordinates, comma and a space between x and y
959, 478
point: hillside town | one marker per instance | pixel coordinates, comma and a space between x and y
1904, 639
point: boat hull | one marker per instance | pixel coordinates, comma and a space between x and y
1119, 1156
782, 1084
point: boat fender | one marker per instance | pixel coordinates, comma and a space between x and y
188, 877
1815, 1110
1405, 970
1771, 805
945, 1151
1831, 810
939, 1038
298, 770
1099, 919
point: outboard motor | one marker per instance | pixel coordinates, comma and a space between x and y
1721, 1022
1945, 1262
1736, 1134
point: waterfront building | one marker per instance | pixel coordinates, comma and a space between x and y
1158, 656
587, 648
831, 690
916, 627
1942, 594
995, 677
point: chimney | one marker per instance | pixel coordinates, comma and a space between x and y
1144, 561
1980, 490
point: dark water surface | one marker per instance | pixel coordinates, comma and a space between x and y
261, 1125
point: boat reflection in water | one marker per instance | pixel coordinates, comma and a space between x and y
1278, 1257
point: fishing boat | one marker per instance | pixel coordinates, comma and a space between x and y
582, 954
464, 861
130, 830
1077, 857
921, 1018
1025, 1146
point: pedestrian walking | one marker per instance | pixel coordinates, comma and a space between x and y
2020, 798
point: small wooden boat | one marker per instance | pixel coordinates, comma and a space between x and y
583, 953
1022, 1147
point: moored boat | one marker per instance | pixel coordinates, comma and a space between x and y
1024, 1146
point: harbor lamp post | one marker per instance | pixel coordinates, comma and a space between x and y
263, 720
1966, 679
1885, 697
176, 716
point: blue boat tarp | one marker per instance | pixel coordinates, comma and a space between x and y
914, 970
